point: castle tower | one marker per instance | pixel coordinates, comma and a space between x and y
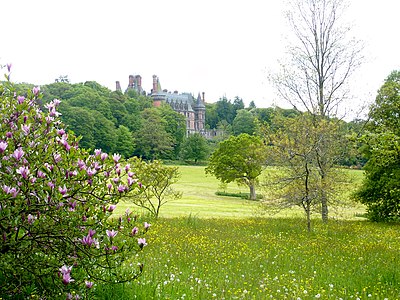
200, 114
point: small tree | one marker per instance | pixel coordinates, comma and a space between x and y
194, 148
55, 203
298, 147
156, 182
239, 158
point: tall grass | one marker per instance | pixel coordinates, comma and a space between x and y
268, 258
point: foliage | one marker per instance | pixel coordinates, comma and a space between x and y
152, 139
244, 122
194, 148
175, 125
380, 190
240, 159
156, 182
306, 148
55, 206
196, 258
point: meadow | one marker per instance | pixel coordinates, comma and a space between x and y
212, 247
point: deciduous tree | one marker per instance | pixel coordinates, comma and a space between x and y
240, 159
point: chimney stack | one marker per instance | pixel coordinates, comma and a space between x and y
118, 86
155, 84
131, 81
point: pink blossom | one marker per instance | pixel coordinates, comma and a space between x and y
97, 152
130, 181
146, 225
142, 242
57, 157
90, 172
26, 128
111, 233
36, 90
116, 157
131, 174
23, 171
18, 153
60, 132
127, 167
134, 231
66, 278
103, 156
20, 99
91, 232
121, 188
62, 190
81, 164
3, 146
51, 184
114, 248
9, 135
65, 270
109, 186
9, 67
88, 284
31, 219
116, 180
40, 174
56, 102
111, 207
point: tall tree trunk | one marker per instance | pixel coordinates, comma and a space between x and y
324, 207
252, 187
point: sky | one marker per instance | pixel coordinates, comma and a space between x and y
220, 47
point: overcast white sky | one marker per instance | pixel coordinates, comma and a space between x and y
221, 47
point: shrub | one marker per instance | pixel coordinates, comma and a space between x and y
57, 239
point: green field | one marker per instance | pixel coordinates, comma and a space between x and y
199, 199
209, 247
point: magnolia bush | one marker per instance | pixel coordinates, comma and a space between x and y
57, 237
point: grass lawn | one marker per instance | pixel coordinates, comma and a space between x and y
210, 247
199, 199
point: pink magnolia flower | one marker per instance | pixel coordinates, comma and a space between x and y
142, 242
97, 152
65, 270
56, 102
146, 225
111, 233
3, 146
62, 190
90, 172
23, 171
9, 135
18, 153
88, 284
130, 181
9, 67
91, 232
57, 157
127, 167
60, 132
40, 174
111, 207
20, 99
116, 180
103, 156
66, 278
109, 186
116, 157
31, 219
36, 90
134, 231
121, 188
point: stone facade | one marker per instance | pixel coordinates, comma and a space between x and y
192, 108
